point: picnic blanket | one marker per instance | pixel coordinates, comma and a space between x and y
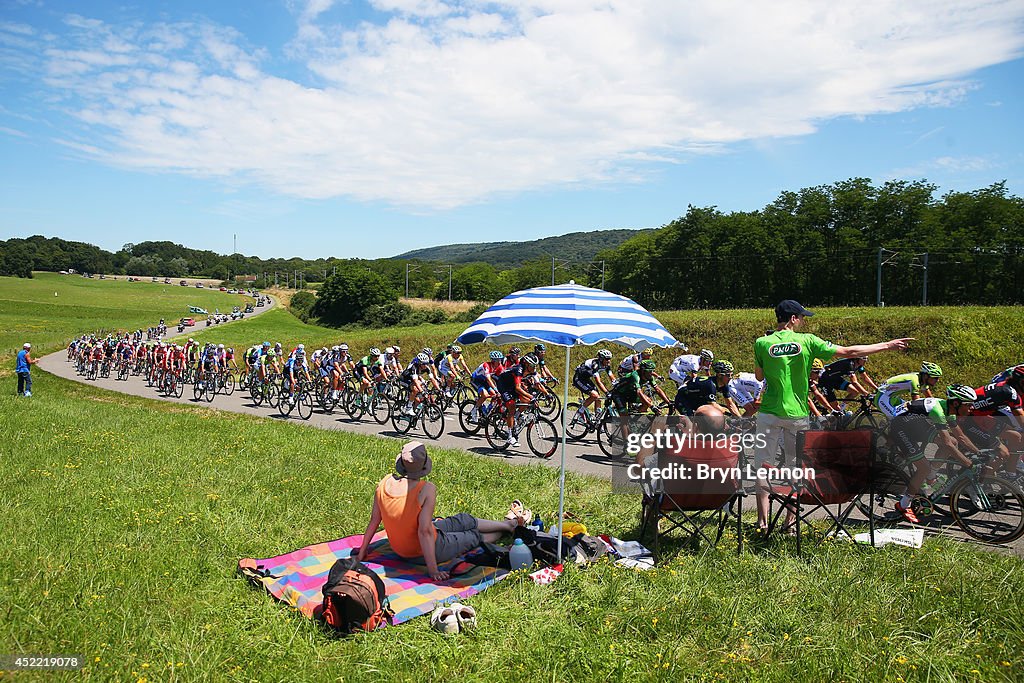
296, 578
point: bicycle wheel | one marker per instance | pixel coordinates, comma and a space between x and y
197, 390
549, 405
354, 404
611, 435
286, 404
211, 389
304, 402
379, 409
462, 394
229, 384
578, 423
400, 421
433, 421
257, 392
465, 409
890, 484
179, 388
991, 509
542, 437
272, 395
496, 431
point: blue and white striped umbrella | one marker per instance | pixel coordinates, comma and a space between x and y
568, 315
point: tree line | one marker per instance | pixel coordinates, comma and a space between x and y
820, 245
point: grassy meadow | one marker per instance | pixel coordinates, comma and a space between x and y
124, 518
30, 312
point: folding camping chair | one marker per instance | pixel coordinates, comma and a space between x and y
843, 463
692, 505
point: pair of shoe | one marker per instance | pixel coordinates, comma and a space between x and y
453, 618
28, 394
519, 513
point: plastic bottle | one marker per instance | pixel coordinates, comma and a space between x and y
519, 555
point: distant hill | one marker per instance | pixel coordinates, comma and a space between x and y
576, 246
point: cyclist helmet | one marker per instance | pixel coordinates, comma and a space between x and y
398, 349
706, 355
497, 355
427, 350
389, 350
421, 358
191, 340
449, 347
540, 348
817, 364
375, 351
648, 365
961, 392
277, 346
529, 360
271, 354
455, 348
301, 347
604, 354
335, 348
323, 349
646, 353
931, 369
300, 353
230, 350
722, 367
515, 351
266, 344
343, 347
220, 347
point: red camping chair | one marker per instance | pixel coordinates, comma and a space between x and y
692, 505
843, 463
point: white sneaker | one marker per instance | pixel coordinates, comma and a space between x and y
445, 620
466, 616
335, 394
473, 417
513, 442
28, 394
406, 410
291, 400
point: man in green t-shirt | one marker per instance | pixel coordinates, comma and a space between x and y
783, 358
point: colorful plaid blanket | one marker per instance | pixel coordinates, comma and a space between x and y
296, 578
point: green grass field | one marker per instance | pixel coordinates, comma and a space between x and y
124, 519
30, 312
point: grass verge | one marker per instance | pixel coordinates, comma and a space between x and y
124, 518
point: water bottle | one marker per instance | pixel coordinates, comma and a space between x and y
519, 556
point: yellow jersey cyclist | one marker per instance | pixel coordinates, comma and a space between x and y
923, 421
915, 384
452, 368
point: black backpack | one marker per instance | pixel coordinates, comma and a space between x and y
355, 598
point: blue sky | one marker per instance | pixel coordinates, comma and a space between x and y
371, 127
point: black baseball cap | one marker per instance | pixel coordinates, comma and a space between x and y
789, 308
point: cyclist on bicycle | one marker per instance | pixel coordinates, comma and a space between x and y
997, 419
296, 365
451, 367
588, 373
744, 390
687, 366
631, 362
392, 364
628, 389
815, 396
411, 379
841, 375
483, 380
704, 390
512, 391
210, 363
922, 421
362, 369
268, 359
889, 395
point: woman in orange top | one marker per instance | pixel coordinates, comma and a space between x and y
405, 504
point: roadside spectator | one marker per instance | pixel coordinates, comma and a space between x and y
23, 366
784, 358
405, 504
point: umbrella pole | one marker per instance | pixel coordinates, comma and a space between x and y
561, 469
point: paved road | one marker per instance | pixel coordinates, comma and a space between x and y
584, 457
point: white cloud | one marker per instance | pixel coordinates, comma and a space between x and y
453, 102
